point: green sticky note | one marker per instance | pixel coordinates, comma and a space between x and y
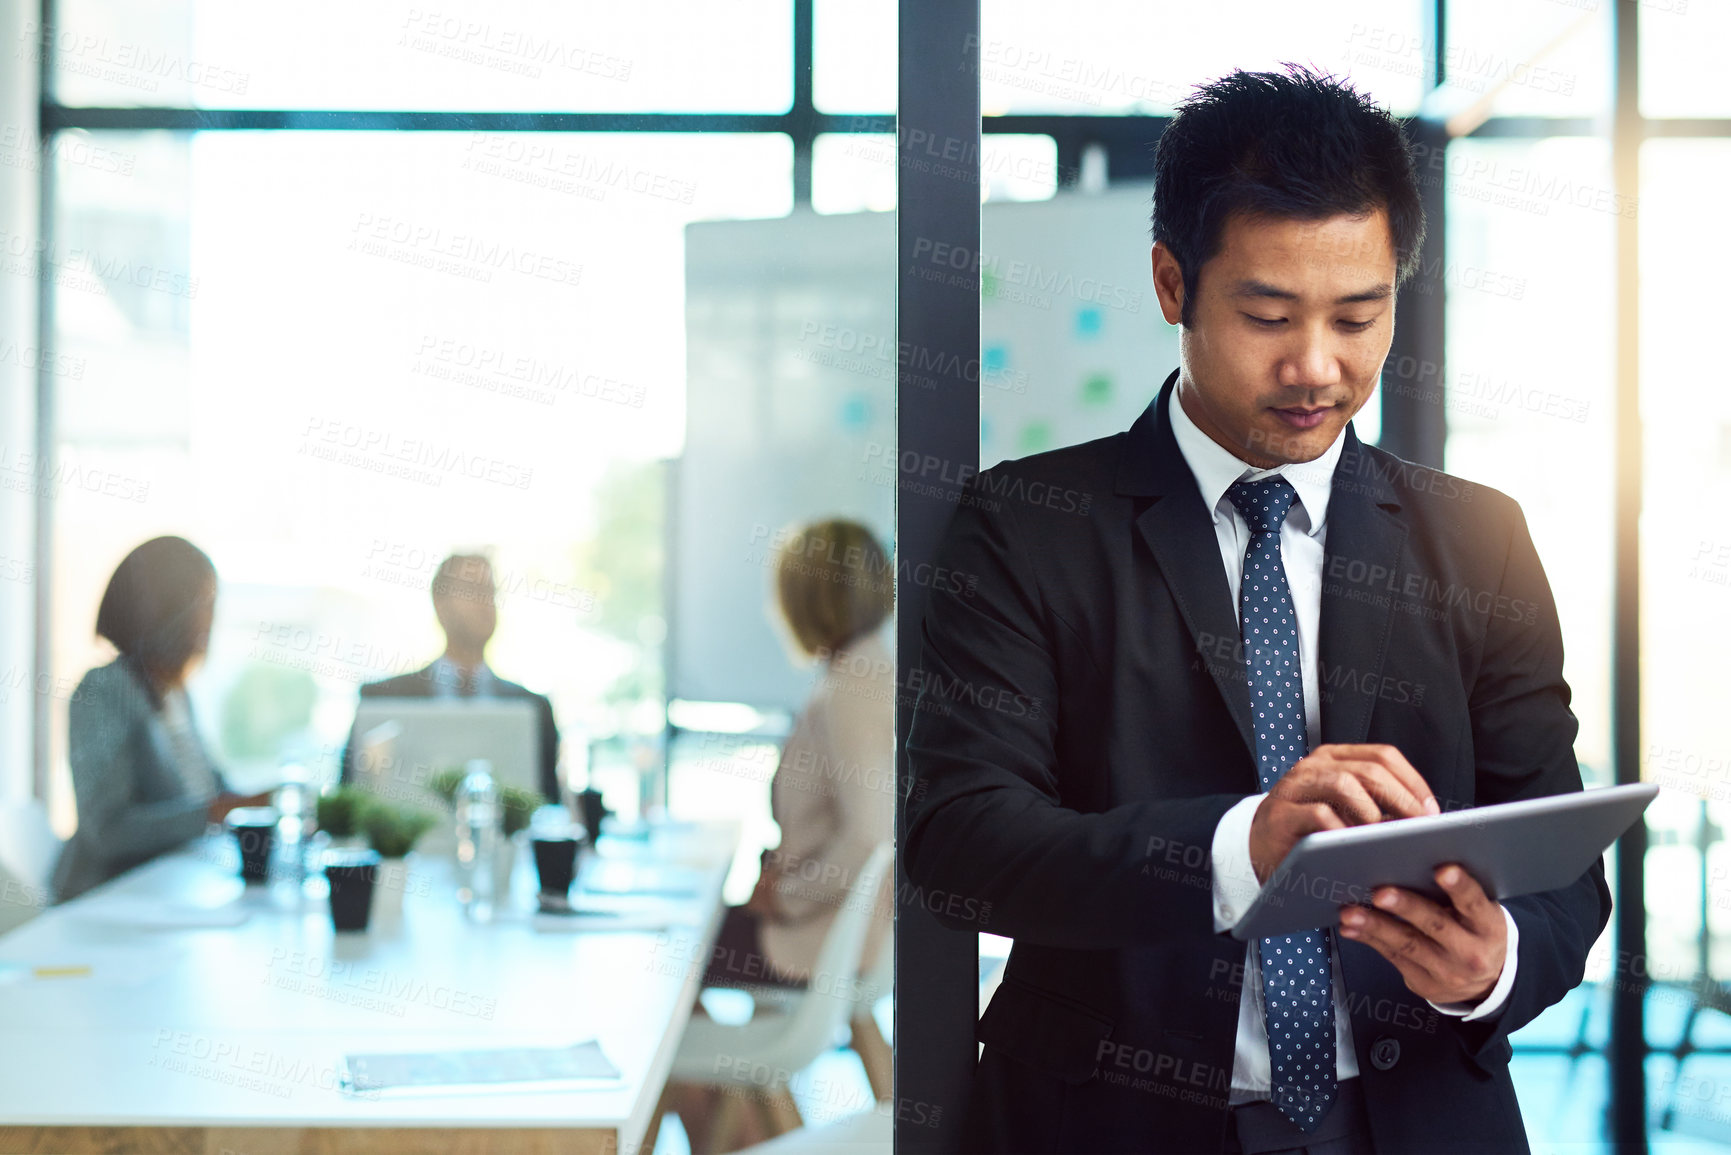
1097, 389
1035, 437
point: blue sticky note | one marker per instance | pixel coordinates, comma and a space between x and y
855, 412
995, 358
1088, 319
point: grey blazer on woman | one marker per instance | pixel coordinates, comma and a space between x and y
132, 801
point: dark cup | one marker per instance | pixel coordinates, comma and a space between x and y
351, 875
255, 832
555, 861
589, 805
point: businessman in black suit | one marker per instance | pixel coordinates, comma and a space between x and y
464, 597
1182, 648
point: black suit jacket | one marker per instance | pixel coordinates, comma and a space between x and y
1083, 722
420, 685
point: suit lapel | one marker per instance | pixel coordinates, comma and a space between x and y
1180, 533
1363, 547
1362, 555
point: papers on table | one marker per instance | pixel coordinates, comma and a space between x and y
138, 913
616, 876
652, 918
378, 1072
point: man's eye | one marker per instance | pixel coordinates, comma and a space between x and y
1272, 322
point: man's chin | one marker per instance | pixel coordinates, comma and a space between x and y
1277, 441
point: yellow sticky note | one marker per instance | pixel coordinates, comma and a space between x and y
61, 972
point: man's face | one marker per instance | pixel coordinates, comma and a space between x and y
465, 605
1291, 324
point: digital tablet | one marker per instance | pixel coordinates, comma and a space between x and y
1511, 848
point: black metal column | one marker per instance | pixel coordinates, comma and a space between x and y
1414, 424
937, 314
804, 110
1626, 1049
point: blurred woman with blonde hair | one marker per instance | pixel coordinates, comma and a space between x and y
833, 793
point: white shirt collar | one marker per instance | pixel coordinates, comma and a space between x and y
1216, 469
448, 678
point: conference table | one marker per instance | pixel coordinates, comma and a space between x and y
176, 1009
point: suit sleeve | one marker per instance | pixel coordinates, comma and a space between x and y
1523, 741
103, 748
988, 833
549, 739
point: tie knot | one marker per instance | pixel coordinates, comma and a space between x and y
1264, 503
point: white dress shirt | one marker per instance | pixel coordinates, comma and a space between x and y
191, 761
1302, 537
447, 679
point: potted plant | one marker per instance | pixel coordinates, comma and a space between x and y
445, 783
338, 815
391, 830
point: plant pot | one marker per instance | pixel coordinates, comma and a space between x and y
394, 879
352, 874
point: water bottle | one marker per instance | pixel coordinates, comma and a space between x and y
477, 838
292, 803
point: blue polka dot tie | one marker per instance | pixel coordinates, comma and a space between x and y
1297, 989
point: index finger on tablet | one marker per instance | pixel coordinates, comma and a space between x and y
1391, 759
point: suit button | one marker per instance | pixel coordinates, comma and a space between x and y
1384, 1053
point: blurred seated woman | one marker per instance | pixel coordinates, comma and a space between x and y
142, 778
833, 793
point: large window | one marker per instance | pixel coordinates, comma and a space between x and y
524, 55
464, 340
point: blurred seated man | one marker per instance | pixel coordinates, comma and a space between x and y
463, 601
143, 780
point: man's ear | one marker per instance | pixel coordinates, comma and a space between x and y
1168, 282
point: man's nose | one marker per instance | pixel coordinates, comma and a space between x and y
1313, 362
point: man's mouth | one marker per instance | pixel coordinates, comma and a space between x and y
1303, 418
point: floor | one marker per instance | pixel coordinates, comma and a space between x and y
830, 1089
1562, 1098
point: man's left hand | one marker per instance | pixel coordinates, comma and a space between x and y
1446, 953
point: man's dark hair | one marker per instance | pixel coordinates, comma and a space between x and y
1295, 146
152, 607
465, 577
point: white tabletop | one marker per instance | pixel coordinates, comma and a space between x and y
246, 1025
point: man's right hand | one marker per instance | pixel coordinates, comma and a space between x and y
1331, 788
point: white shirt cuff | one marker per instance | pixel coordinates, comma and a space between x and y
1235, 885
1499, 995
